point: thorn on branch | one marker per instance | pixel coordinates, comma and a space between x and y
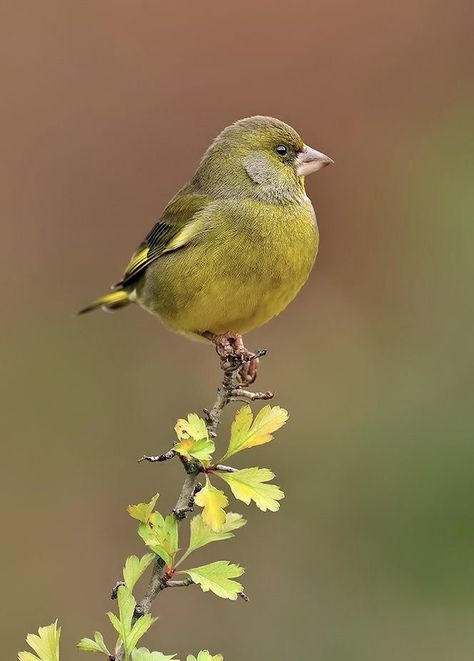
166, 456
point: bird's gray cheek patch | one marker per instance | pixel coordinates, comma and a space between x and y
256, 167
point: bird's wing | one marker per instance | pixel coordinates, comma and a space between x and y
176, 227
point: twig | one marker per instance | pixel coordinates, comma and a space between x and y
220, 468
243, 395
180, 584
166, 456
230, 388
227, 392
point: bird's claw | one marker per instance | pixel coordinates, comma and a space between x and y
235, 357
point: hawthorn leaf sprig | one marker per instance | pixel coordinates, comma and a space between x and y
160, 534
45, 644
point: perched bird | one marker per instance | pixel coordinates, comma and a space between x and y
235, 245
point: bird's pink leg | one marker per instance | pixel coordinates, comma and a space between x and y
230, 345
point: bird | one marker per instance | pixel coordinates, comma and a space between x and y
235, 245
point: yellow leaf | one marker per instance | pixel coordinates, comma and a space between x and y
249, 484
184, 446
193, 439
143, 511
201, 534
247, 432
45, 644
213, 501
218, 578
205, 656
194, 427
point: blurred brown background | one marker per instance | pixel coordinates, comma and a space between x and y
106, 107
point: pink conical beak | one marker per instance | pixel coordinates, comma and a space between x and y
310, 160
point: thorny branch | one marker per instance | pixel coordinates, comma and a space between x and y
230, 390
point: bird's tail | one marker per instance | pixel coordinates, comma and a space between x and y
113, 301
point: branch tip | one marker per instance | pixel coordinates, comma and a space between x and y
166, 456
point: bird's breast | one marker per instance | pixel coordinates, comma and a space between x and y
246, 267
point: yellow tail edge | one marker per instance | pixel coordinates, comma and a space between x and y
112, 301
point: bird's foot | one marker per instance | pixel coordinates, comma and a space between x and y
234, 356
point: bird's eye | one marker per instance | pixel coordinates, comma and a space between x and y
281, 150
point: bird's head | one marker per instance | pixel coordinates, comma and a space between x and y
260, 157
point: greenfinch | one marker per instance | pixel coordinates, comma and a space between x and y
236, 244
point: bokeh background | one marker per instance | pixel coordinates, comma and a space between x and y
105, 109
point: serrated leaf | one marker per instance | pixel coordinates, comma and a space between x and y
139, 629
128, 633
201, 450
161, 536
213, 501
248, 484
170, 528
217, 577
205, 656
45, 644
193, 439
135, 568
143, 654
202, 534
143, 511
194, 427
96, 645
247, 432
126, 606
117, 625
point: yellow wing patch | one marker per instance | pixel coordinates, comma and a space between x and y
184, 235
138, 260
179, 224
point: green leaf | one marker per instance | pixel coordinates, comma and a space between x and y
201, 534
248, 484
45, 644
117, 625
129, 635
205, 656
139, 629
135, 568
161, 536
201, 450
143, 511
126, 606
96, 645
143, 654
247, 432
193, 439
170, 528
213, 501
216, 577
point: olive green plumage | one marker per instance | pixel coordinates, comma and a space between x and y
236, 244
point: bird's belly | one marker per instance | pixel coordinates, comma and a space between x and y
202, 288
